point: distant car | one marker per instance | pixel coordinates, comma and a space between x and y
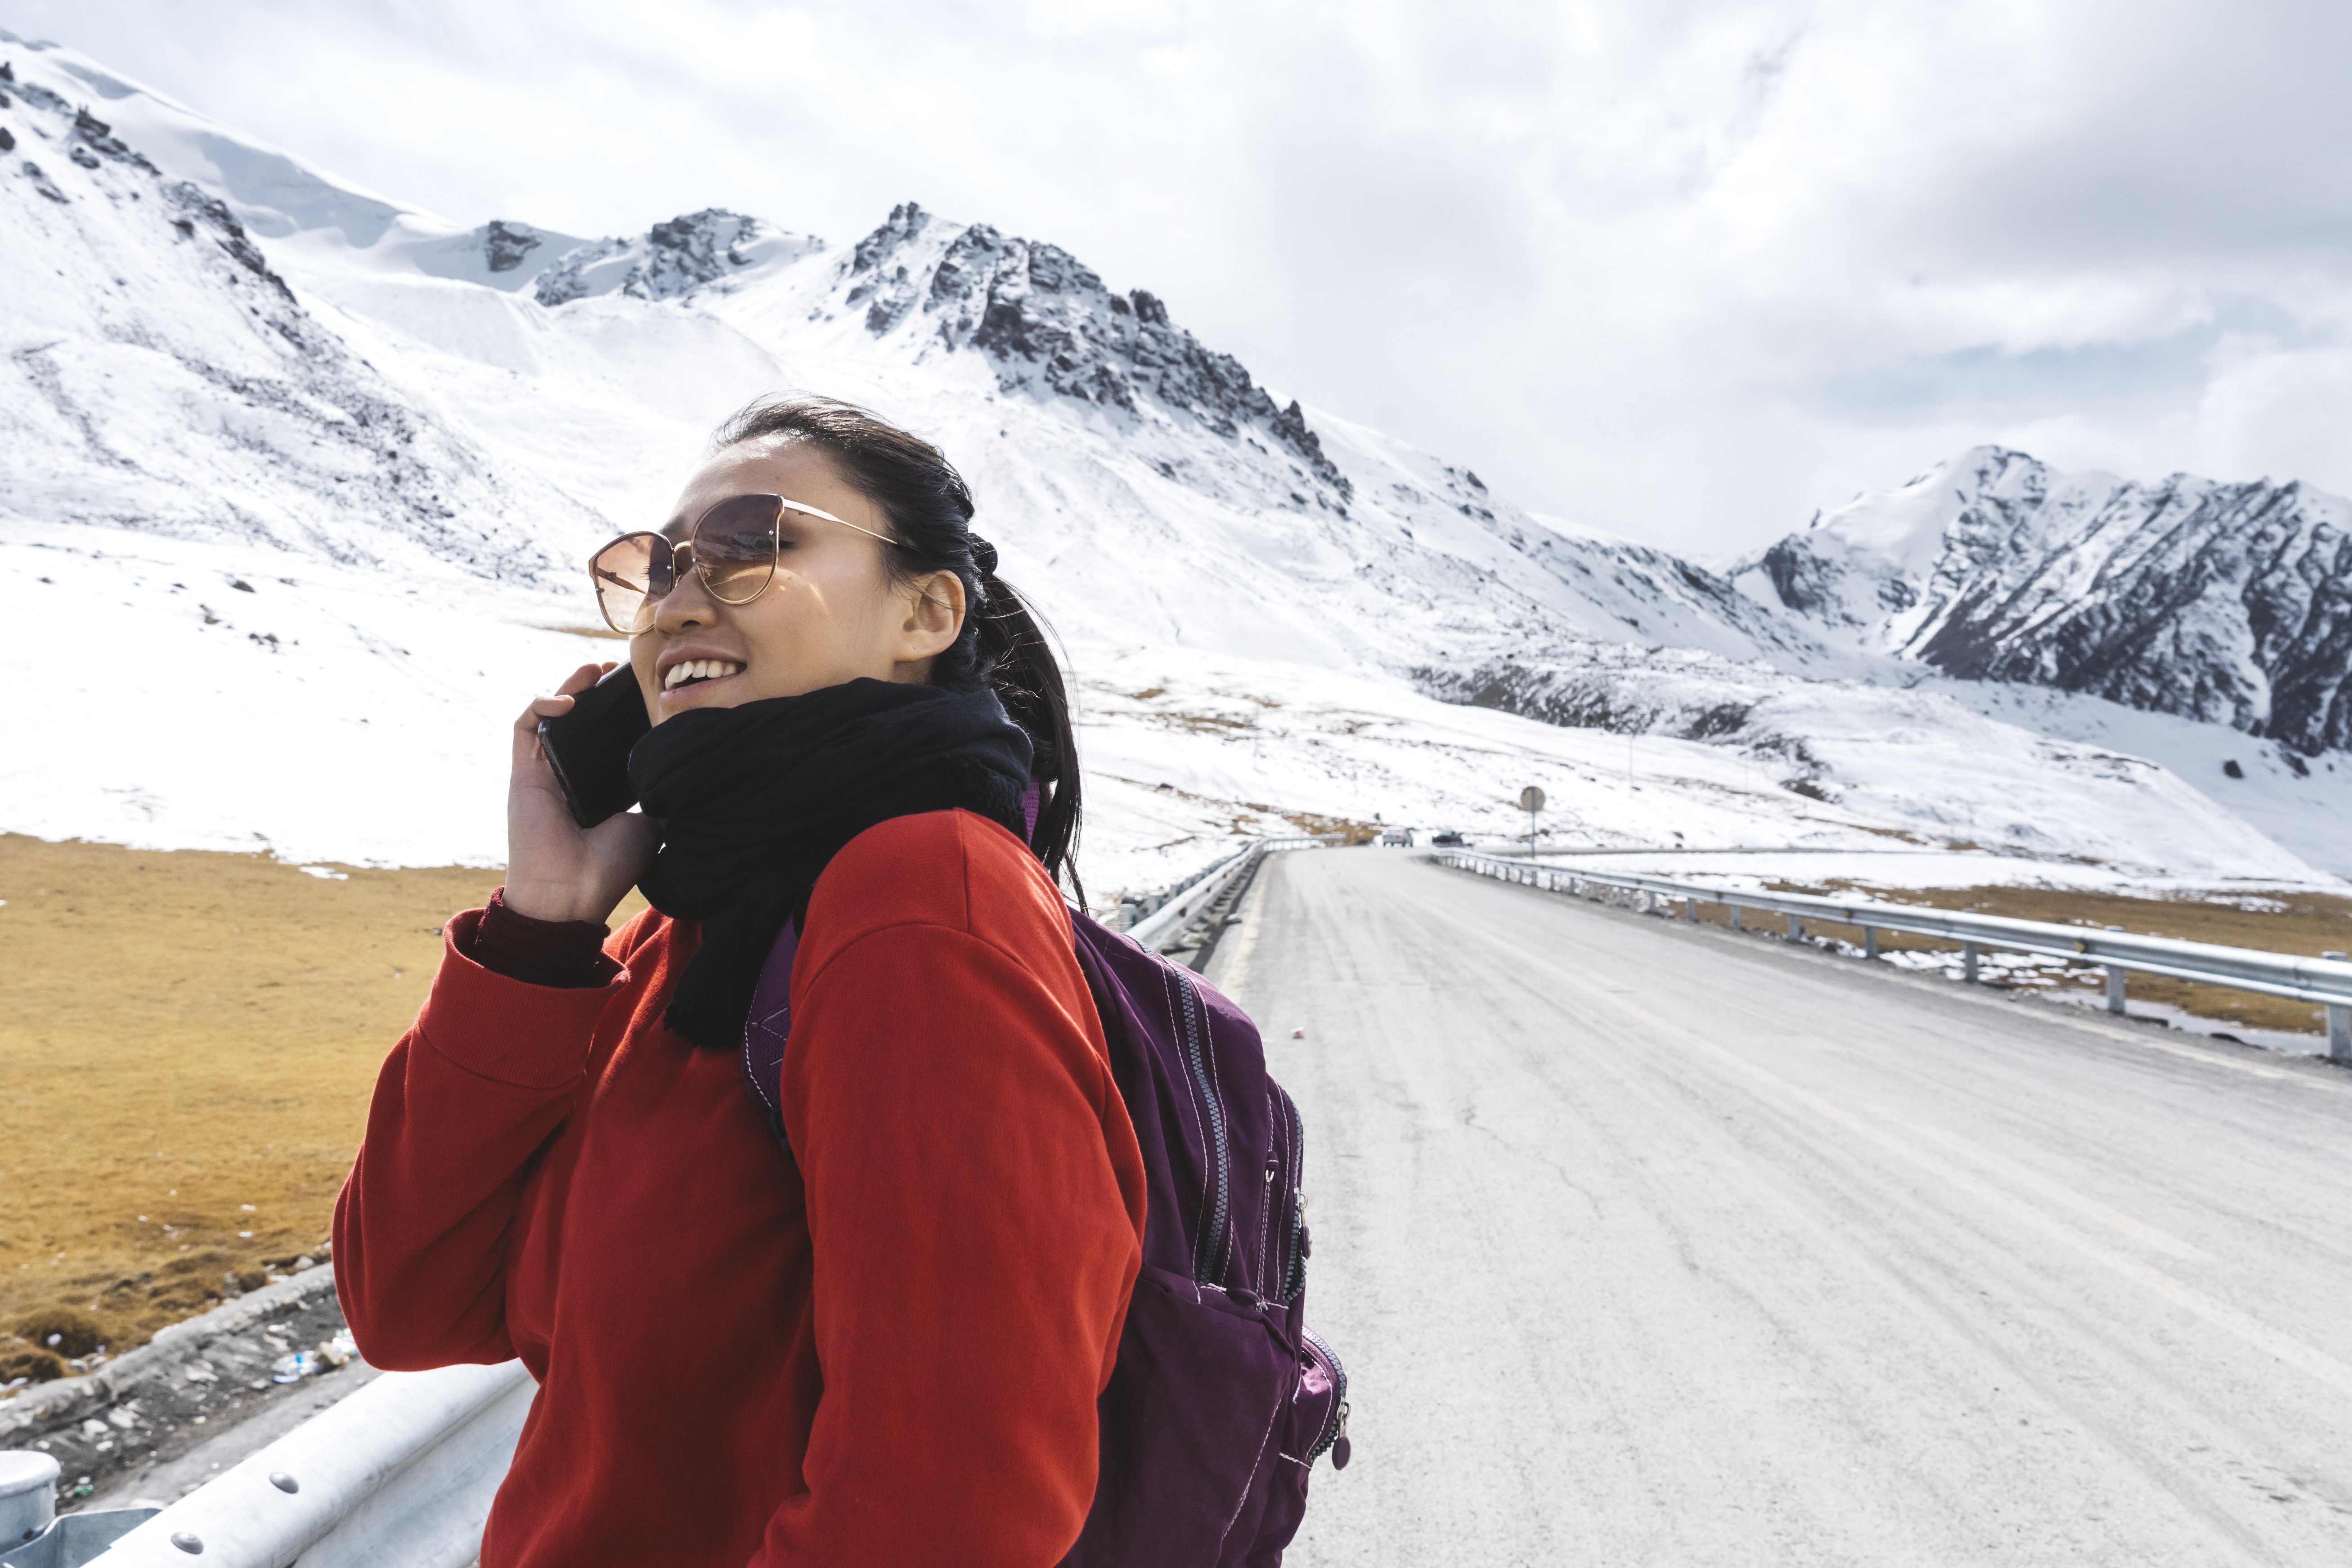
1449, 842
1396, 838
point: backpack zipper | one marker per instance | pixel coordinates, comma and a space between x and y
1214, 1232
1335, 1429
1291, 1278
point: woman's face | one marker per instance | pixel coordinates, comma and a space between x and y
830, 615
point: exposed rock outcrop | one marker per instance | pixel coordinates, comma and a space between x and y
1051, 325
504, 245
671, 259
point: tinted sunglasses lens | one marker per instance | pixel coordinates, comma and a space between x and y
632, 574
735, 546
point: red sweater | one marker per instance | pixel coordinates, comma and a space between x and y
884, 1351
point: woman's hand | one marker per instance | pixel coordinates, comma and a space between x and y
555, 869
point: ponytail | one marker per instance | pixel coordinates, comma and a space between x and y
1028, 680
1002, 644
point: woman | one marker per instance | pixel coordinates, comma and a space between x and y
883, 1343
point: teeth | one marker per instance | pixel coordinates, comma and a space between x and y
698, 670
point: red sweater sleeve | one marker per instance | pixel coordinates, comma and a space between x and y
468, 1096
976, 1204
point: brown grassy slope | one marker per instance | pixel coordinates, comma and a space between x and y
184, 1034
2311, 923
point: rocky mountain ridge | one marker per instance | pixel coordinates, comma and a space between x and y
2226, 602
1046, 320
671, 259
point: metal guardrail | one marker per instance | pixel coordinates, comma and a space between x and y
1158, 917
400, 1472
1174, 907
2325, 981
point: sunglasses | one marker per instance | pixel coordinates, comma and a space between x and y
733, 548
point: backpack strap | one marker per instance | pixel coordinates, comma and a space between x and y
766, 1030
768, 1026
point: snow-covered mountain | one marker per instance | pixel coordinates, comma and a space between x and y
232, 374
163, 378
2230, 603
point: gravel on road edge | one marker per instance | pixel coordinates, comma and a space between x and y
134, 1424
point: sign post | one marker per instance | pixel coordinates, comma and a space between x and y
1531, 800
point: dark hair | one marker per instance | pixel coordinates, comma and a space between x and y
929, 509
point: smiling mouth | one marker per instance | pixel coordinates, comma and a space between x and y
694, 672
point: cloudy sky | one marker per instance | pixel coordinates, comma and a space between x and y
1684, 269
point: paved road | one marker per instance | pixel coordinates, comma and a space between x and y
1654, 1244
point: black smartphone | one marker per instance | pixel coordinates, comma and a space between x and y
589, 746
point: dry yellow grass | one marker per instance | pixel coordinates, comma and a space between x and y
184, 1035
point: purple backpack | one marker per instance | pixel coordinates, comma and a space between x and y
1223, 1398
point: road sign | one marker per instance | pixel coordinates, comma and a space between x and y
1531, 798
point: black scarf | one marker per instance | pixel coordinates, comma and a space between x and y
754, 801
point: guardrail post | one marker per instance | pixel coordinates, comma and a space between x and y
2339, 1024
2114, 983
1690, 910
1796, 929
28, 1496
1870, 941
1969, 962
1735, 918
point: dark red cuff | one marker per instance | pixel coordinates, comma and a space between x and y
566, 955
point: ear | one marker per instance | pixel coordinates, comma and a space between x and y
934, 616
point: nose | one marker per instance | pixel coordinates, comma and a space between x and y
689, 604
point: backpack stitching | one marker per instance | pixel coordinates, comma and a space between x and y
1263, 1439
758, 1087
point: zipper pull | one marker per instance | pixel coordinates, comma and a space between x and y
1341, 1450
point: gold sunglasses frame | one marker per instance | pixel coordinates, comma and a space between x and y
597, 576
